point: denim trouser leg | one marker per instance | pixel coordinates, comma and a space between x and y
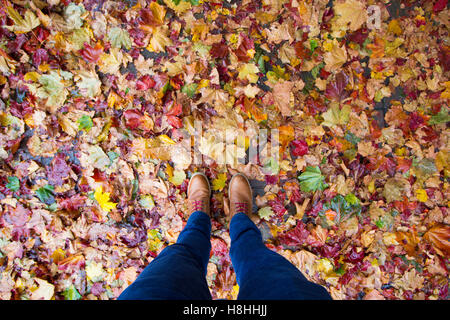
262, 273
179, 271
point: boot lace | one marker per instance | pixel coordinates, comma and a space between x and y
197, 205
241, 206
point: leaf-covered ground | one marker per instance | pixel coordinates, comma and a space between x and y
99, 98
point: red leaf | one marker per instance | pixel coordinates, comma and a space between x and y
92, 54
145, 83
355, 256
336, 89
40, 56
439, 5
59, 170
132, 119
403, 164
296, 236
73, 203
160, 81
175, 110
219, 50
299, 148
242, 51
175, 122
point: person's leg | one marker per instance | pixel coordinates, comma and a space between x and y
262, 273
179, 271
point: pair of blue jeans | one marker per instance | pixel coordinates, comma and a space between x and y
179, 271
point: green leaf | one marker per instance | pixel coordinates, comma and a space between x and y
45, 194
71, 293
265, 213
441, 117
189, 89
344, 209
273, 165
313, 43
194, 2
112, 156
85, 123
176, 2
379, 223
352, 199
316, 70
350, 137
312, 180
134, 192
147, 202
13, 184
335, 116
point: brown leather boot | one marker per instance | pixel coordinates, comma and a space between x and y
240, 195
199, 193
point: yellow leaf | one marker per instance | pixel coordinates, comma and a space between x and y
165, 139
178, 177
349, 14
421, 195
371, 186
336, 57
394, 27
94, 271
44, 291
32, 76
179, 8
58, 255
324, 265
219, 182
103, 199
22, 25
249, 71
159, 40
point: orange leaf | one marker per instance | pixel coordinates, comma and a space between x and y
438, 236
408, 241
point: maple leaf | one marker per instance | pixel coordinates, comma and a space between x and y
178, 177
119, 38
103, 199
335, 116
439, 236
22, 25
335, 58
265, 213
92, 54
299, 148
336, 88
312, 180
220, 182
88, 83
159, 39
283, 97
72, 293
249, 72
13, 184
152, 16
350, 14
94, 271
